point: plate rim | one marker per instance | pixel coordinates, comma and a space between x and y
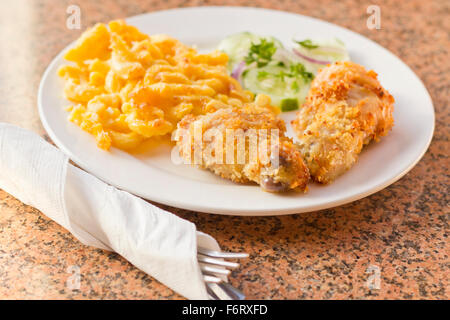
172, 201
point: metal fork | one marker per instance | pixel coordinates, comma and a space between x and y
215, 271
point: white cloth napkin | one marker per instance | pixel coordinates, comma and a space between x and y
156, 241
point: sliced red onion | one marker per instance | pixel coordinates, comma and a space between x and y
312, 60
237, 72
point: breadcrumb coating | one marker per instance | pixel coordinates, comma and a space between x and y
288, 173
346, 108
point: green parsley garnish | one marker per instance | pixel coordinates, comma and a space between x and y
307, 44
298, 69
282, 74
261, 53
262, 75
295, 86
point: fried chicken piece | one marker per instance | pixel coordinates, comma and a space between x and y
247, 153
346, 108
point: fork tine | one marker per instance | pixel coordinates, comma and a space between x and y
225, 255
211, 279
218, 289
214, 270
220, 293
228, 264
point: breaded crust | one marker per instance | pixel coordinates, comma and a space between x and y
346, 108
289, 171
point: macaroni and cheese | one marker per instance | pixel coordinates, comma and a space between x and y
126, 87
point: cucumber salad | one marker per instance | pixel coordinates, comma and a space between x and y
264, 65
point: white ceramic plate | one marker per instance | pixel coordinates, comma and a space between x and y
153, 176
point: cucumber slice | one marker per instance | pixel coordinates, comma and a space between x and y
272, 80
328, 50
236, 46
331, 49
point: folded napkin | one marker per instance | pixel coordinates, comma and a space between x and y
156, 241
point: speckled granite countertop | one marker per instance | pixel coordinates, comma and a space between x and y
401, 231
